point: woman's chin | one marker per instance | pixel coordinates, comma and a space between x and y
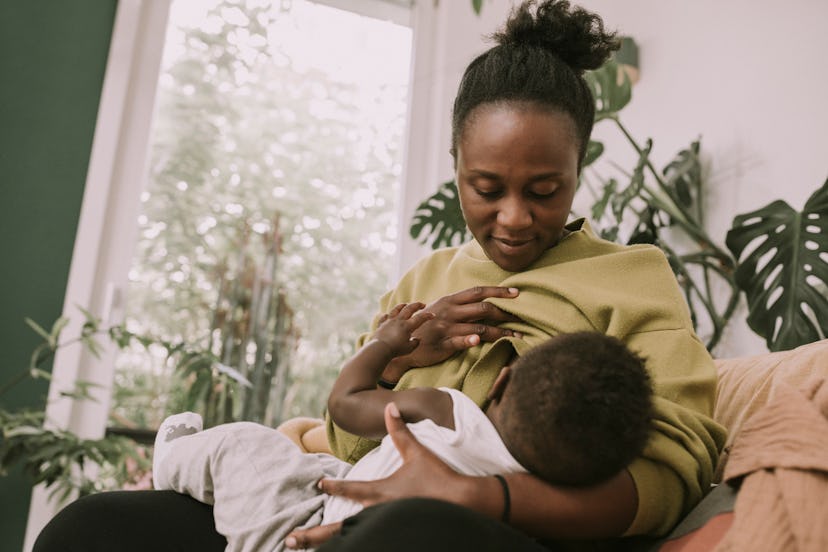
512, 263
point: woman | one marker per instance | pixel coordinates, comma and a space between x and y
521, 123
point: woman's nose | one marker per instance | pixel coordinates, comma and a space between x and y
513, 213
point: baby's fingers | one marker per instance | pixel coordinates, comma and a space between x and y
396, 310
407, 311
419, 319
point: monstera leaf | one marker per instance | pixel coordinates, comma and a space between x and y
610, 95
593, 152
785, 270
438, 221
683, 178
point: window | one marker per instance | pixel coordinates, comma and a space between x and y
267, 228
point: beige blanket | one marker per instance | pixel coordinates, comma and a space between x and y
780, 457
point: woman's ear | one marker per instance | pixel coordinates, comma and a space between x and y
499, 385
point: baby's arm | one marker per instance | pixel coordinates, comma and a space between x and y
357, 405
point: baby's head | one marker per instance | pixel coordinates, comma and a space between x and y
574, 410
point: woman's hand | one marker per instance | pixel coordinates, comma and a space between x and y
422, 474
312, 537
461, 320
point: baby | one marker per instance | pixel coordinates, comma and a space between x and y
574, 411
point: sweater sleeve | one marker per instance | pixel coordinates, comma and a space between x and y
676, 468
631, 293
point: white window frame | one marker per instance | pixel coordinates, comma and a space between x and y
107, 228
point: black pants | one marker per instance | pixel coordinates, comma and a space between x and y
164, 521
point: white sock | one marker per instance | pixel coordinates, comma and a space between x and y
173, 427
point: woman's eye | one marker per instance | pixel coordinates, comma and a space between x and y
542, 195
488, 194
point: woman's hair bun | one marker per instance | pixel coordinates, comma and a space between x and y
575, 35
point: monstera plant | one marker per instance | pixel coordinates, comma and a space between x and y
775, 255
784, 270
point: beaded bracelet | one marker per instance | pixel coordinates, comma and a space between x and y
386, 384
507, 499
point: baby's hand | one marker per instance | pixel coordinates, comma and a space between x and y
396, 327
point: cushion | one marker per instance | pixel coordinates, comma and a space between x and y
748, 383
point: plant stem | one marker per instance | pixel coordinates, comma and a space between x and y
14, 381
39, 360
679, 214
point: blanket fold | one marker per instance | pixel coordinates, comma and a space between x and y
780, 461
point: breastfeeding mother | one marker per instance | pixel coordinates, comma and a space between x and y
521, 123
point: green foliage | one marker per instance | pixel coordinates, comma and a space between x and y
438, 221
611, 89
60, 459
656, 206
785, 270
594, 151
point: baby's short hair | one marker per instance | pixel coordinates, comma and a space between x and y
577, 408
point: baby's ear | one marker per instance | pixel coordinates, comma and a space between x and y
499, 385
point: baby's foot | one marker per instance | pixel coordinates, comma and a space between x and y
173, 427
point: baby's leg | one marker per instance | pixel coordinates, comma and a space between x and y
261, 484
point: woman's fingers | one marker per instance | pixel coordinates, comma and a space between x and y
479, 293
405, 442
364, 492
400, 484
456, 322
369, 492
312, 537
470, 312
457, 338
422, 473
470, 305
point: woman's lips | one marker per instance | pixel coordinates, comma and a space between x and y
511, 246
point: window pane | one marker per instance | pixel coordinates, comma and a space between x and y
268, 223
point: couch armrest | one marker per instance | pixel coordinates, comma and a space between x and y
748, 383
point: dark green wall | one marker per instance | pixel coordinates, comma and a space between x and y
52, 60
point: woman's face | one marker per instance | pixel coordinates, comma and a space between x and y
517, 170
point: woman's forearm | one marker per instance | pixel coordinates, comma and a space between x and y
542, 510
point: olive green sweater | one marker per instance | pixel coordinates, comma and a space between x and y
586, 284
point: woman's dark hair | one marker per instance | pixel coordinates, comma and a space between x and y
540, 59
577, 408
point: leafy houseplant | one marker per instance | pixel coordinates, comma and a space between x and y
239, 374
777, 256
785, 276
55, 457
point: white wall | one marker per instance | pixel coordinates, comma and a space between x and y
748, 76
